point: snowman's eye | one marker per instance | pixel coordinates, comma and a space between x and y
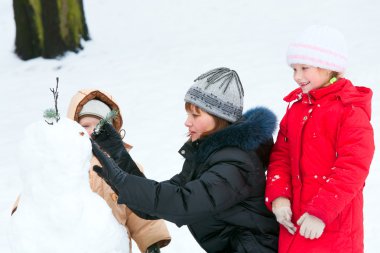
81, 133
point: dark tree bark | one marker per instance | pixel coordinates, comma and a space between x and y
49, 28
53, 41
85, 34
28, 43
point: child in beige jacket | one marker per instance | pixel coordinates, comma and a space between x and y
87, 107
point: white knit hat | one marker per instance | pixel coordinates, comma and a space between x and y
319, 46
95, 108
218, 92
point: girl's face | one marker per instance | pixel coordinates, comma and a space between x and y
198, 122
310, 78
89, 123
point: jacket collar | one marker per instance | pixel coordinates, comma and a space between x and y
254, 128
317, 94
342, 90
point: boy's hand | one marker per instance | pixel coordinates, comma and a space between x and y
311, 226
154, 248
282, 211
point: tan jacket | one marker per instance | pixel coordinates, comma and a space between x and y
144, 232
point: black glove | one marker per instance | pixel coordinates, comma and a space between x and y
110, 172
114, 176
110, 141
154, 248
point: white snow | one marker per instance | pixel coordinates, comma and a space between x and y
147, 53
57, 211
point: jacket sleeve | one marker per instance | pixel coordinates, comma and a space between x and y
143, 232
355, 149
279, 173
146, 233
219, 188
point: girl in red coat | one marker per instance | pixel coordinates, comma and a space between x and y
323, 150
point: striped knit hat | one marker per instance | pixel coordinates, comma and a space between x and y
218, 92
319, 46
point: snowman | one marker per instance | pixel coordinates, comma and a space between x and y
57, 211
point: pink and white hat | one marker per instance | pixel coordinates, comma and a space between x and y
319, 46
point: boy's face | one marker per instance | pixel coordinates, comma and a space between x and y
310, 78
89, 123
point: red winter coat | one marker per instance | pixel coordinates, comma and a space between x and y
320, 161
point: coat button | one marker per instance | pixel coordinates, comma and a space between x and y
305, 118
183, 151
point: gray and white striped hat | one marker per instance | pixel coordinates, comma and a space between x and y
218, 92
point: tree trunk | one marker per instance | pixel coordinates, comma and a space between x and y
29, 33
49, 28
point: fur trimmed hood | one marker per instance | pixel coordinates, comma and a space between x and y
83, 96
255, 128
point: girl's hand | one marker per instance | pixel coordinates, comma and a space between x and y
110, 141
282, 211
110, 172
311, 226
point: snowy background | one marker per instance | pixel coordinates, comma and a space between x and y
147, 53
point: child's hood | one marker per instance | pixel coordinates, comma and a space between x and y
83, 96
357, 96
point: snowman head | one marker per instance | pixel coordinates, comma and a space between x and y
57, 154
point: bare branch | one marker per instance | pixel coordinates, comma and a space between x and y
55, 94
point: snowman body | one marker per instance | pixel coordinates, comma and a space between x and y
57, 211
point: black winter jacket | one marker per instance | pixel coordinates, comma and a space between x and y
219, 193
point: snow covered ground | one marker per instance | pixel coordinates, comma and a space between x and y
147, 53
